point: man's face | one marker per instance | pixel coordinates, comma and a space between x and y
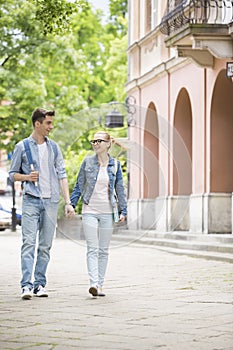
46, 126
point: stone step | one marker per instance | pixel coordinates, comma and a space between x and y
217, 248
180, 235
209, 238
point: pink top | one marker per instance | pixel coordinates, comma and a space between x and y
99, 202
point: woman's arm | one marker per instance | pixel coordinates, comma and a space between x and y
77, 191
120, 192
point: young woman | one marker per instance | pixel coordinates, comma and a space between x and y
98, 183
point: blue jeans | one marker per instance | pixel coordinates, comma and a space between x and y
38, 216
98, 232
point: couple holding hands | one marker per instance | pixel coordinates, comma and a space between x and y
41, 169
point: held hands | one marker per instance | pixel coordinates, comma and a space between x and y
122, 218
69, 211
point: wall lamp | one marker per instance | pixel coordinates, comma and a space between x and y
229, 69
115, 119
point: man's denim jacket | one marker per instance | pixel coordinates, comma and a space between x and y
19, 164
87, 178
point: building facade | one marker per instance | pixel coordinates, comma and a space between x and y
180, 59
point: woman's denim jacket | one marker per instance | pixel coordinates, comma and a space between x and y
86, 181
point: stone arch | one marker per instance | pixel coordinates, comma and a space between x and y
182, 145
151, 153
221, 135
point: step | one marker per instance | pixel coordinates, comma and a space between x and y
176, 243
181, 235
210, 248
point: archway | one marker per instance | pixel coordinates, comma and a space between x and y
221, 136
182, 145
151, 154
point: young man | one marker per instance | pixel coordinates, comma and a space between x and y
41, 193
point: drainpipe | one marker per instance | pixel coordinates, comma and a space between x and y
205, 149
205, 143
168, 141
140, 111
169, 120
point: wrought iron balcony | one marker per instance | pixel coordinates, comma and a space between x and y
200, 29
180, 12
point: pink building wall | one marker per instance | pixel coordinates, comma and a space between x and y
182, 138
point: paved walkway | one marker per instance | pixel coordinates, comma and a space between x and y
155, 300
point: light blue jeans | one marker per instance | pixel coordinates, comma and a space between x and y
39, 217
98, 232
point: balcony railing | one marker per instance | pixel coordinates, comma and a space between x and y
181, 12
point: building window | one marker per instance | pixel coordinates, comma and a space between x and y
173, 3
153, 13
150, 15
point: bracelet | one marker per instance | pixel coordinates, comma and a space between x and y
68, 203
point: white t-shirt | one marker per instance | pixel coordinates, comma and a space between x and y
44, 178
99, 202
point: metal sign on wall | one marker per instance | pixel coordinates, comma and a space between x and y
229, 69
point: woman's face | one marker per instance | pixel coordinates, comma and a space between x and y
100, 143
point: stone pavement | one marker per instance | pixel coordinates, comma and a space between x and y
155, 300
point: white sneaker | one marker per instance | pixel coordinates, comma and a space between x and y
40, 292
26, 293
100, 292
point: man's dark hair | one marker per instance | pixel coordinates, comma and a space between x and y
39, 115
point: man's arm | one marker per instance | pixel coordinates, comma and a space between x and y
17, 173
69, 210
33, 177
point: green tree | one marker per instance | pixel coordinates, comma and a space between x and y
118, 12
118, 8
68, 71
55, 15
116, 70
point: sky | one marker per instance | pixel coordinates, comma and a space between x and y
100, 4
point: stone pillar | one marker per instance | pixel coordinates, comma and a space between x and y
147, 214
178, 213
196, 210
133, 214
218, 213
161, 213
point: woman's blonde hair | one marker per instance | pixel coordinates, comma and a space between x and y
106, 136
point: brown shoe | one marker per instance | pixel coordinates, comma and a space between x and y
93, 290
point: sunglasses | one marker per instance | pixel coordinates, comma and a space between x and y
93, 142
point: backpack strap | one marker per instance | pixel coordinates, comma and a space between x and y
54, 147
29, 155
116, 208
28, 151
115, 165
